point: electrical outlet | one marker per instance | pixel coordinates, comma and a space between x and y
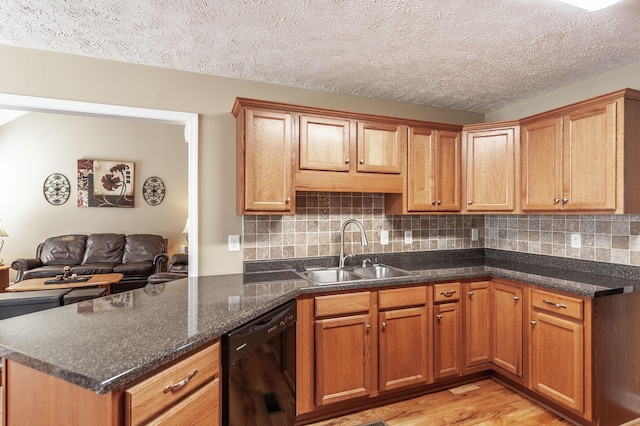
408, 237
474, 234
576, 241
384, 238
234, 242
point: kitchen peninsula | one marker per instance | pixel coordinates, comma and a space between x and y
101, 352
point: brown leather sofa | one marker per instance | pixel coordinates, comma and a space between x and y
136, 256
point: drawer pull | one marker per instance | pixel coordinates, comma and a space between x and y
180, 384
557, 305
447, 293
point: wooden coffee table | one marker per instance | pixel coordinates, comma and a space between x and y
96, 280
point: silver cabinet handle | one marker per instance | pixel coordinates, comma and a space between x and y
447, 293
557, 305
470, 202
533, 322
439, 202
384, 325
439, 317
556, 200
288, 200
180, 384
565, 200
470, 293
516, 298
347, 161
368, 326
433, 202
361, 161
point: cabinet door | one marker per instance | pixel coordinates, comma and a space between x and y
557, 354
447, 171
490, 165
477, 324
590, 159
542, 165
379, 148
268, 161
324, 144
421, 185
447, 340
403, 348
507, 328
343, 358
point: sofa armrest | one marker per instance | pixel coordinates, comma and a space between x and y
159, 262
22, 265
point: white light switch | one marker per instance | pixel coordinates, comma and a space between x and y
474, 234
408, 237
384, 238
234, 242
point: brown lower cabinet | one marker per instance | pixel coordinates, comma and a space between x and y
572, 353
172, 395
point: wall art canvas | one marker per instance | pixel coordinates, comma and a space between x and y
105, 183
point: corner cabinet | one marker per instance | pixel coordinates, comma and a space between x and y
491, 154
264, 161
581, 158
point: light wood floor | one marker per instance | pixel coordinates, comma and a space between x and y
492, 404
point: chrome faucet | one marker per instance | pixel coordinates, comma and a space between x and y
363, 239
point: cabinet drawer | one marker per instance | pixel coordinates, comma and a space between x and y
446, 292
402, 297
149, 397
198, 409
557, 303
342, 304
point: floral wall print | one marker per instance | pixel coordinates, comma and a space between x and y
104, 183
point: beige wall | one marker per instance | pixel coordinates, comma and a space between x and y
37, 144
47, 74
620, 78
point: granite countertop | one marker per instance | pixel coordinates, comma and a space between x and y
106, 343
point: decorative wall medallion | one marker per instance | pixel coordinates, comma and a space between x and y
153, 190
56, 189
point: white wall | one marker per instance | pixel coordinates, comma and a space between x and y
37, 144
48, 74
620, 78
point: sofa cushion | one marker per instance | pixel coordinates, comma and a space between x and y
142, 248
104, 248
63, 250
94, 268
135, 268
43, 272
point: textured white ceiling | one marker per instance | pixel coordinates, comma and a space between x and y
473, 55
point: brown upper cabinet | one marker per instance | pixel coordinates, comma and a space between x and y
264, 163
580, 157
345, 154
491, 153
432, 180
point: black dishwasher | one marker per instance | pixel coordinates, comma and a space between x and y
258, 361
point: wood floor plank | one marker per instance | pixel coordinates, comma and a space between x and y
491, 405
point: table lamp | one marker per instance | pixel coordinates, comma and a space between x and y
3, 233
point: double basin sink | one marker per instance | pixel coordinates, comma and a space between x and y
326, 276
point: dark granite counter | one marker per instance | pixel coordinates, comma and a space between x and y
106, 343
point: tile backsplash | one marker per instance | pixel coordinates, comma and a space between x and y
315, 231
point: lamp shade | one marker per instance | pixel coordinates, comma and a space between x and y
3, 233
591, 5
184, 231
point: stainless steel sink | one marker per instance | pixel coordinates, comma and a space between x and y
330, 276
345, 275
380, 272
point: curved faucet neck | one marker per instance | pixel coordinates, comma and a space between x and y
363, 238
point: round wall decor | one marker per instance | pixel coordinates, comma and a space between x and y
56, 189
153, 190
